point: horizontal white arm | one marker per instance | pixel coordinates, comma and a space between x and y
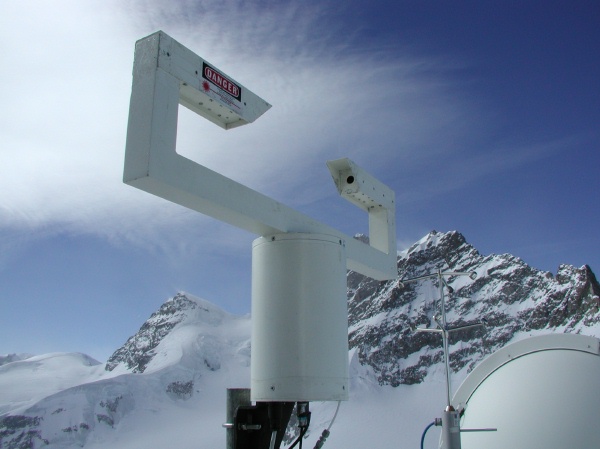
160, 75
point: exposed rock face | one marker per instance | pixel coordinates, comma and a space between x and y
189, 345
514, 299
138, 350
162, 368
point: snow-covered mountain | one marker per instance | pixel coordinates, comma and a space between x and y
165, 387
155, 391
515, 300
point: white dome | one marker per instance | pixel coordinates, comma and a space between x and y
541, 392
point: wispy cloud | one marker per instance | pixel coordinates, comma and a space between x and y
465, 168
66, 92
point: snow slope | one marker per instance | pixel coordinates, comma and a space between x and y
166, 386
70, 400
25, 382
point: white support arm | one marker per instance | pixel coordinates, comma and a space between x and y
166, 74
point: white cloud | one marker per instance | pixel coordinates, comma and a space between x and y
66, 93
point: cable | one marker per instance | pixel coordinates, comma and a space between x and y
424, 432
299, 439
337, 409
327, 432
324, 435
303, 413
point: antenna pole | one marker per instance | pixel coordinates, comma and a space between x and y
450, 420
444, 329
442, 322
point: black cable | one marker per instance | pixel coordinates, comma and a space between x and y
299, 439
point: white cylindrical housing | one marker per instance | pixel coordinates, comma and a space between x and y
299, 318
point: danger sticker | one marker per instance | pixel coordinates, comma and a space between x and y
221, 81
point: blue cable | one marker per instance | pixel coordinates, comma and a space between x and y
424, 432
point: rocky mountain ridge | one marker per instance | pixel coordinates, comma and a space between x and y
182, 358
514, 299
175, 369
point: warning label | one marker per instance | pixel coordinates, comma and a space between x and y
221, 81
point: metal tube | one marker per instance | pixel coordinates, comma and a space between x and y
450, 429
447, 362
445, 336
236, 397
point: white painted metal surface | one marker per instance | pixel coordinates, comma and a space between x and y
539, 393
371, 195
299, 318
299, 337
164, 75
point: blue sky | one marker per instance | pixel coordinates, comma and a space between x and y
482, 116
